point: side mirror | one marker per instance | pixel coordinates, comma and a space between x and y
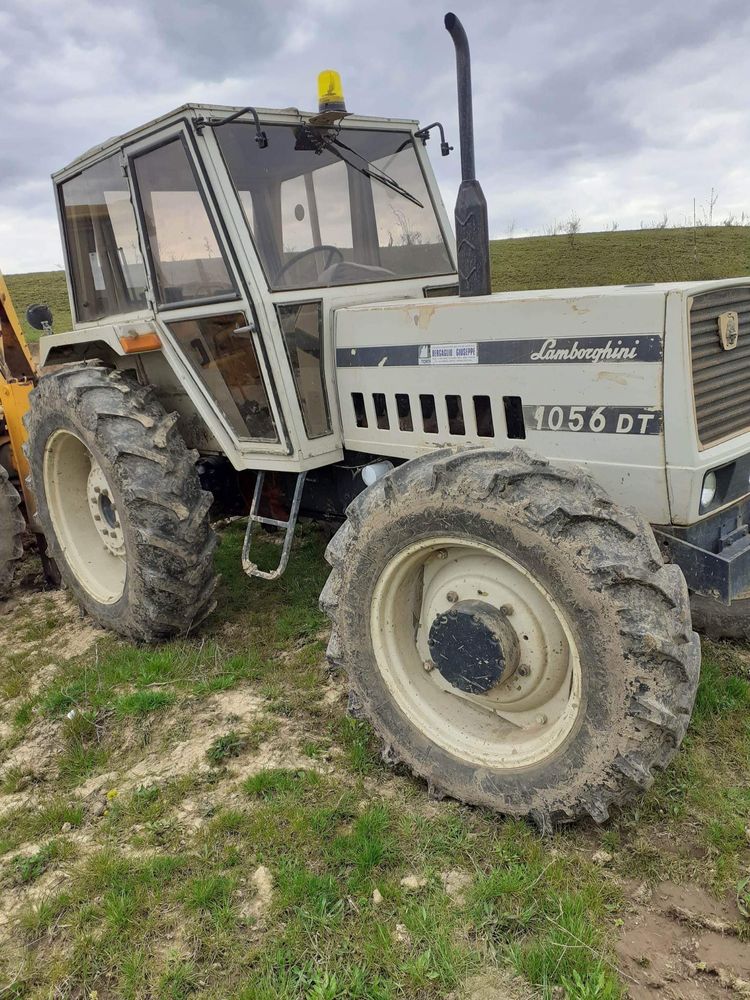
39, 316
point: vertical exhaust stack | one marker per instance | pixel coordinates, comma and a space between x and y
472, 227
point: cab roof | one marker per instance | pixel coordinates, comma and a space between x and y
267, 115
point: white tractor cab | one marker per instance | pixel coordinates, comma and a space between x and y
524, 481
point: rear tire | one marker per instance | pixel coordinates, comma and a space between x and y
12, 527
120, 503
576, 571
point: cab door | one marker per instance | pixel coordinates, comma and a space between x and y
202, 307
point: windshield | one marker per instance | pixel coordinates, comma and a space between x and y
335, 209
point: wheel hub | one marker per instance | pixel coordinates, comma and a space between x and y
104, 512
473, 646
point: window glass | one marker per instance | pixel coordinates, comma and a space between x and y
302, 326
106, 266
335, 210
335, 215
226, 363
406, 232
185, 253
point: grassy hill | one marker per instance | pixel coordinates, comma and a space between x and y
40, 286
619, 258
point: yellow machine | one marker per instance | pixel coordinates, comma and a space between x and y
17, 378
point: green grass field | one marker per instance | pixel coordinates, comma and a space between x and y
202, 819
619, 258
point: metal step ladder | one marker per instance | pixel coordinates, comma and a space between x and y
251, 568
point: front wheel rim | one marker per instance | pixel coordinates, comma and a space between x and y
525, 718
84, 517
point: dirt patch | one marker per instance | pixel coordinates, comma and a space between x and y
254, 905
36, 755
13, 900
456, 884
233, 709
679, 943
77, 633
495, 985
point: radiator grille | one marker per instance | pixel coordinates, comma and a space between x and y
721, 379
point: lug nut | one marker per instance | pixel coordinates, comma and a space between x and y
428, 665
451, 596
441, 554
507, 609
541, 720
96, 517
523, 670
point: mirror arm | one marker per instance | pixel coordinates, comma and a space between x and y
424, 135
260, 136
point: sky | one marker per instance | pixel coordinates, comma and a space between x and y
601, 110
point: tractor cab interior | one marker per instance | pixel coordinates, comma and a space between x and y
334, 207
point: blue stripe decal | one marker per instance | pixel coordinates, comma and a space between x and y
550, 350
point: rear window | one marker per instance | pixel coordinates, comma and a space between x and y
106, 265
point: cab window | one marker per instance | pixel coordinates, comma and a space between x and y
105, 261
186, 258
335, 209
221, 352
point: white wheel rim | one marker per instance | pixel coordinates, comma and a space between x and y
526, 717
84, 517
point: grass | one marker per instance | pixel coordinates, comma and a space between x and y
156, 908
620, 258
131, 681
225, 747
28, 868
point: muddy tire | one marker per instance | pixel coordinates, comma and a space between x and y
606, 662
12, 527
720, 621
120, 503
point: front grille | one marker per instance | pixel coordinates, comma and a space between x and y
721, 379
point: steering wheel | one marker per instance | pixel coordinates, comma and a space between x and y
332, 251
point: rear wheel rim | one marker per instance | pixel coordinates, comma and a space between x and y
84, 517
526, 717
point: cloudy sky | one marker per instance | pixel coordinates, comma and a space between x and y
613, 111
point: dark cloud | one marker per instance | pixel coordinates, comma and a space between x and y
617, 110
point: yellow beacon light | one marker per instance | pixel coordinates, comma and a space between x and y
330, 91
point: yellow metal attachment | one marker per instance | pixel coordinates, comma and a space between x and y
330, 91
17, 377
14, 402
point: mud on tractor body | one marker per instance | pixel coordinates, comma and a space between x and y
524, 481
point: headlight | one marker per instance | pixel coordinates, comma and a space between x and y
709, 489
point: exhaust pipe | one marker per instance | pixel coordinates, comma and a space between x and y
472, 227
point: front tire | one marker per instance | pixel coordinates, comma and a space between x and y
120, 503
483, 551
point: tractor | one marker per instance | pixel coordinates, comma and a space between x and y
271, 312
